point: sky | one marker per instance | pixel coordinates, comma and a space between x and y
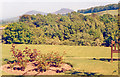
14, 8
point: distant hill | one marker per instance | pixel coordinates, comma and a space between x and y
15, 19
63, 11
99, 8
9, 20
35, 12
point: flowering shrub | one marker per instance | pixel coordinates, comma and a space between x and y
54, 59
42, 62
23, 57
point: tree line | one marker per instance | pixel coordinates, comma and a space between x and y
71, 29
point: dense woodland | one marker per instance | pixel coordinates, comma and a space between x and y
72, 29
99, 8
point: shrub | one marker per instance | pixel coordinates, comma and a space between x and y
54, 59
23, 57
42, 62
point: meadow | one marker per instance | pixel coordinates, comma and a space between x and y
112, 12
83, 58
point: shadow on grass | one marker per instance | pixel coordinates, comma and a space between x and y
81, 73
9, 61
105, 59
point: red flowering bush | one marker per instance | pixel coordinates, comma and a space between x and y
23, 57
54, 59
41, 61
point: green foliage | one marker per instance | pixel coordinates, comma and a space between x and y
17, 33
71, 29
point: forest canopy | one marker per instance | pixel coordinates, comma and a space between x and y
71, 29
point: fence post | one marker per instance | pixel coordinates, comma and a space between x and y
111, 51
118, 45
118, 50
115, 46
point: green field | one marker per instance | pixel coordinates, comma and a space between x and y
81, 57
112, 12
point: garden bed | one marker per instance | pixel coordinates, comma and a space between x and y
31, 69
33, 62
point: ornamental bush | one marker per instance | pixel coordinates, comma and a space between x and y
41, 61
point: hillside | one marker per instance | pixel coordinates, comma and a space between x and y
63, 11
112, 12
35, 12
99, 8
9, 20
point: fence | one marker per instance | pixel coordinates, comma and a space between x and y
114, 48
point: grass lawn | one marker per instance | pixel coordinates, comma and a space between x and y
81, 57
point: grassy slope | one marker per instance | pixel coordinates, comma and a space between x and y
112, 12
78, 56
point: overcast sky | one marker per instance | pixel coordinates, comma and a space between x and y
14, 8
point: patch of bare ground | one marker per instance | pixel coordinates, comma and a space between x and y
30, 69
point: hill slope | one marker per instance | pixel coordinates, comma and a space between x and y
35, 12
99, 8
112, 12
63, 11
